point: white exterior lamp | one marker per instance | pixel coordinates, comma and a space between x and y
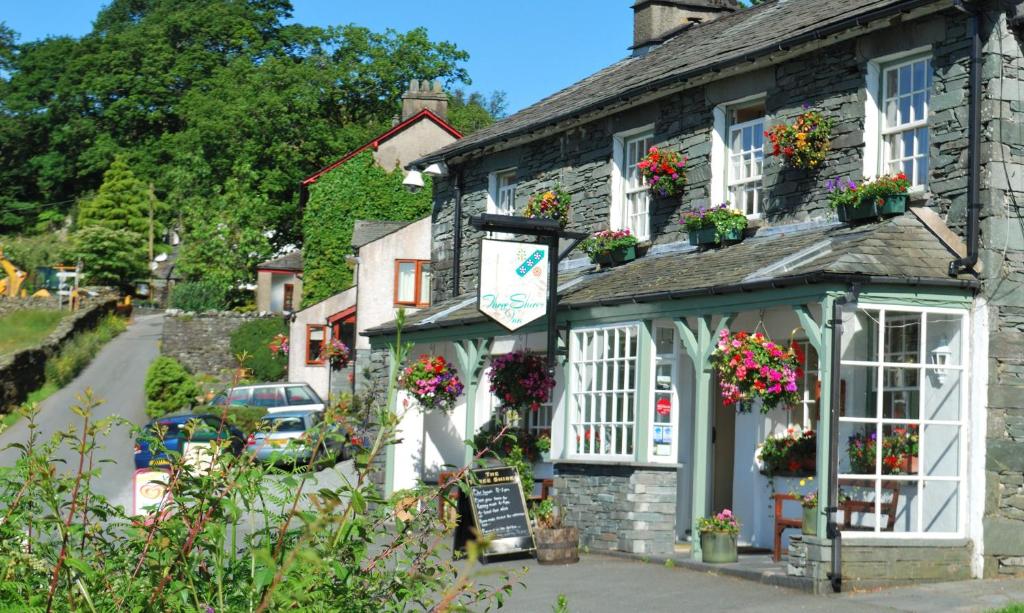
413, 181
941, 357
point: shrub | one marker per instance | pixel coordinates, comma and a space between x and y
253, 338
169, 387
80, 350
246, 418
199, 296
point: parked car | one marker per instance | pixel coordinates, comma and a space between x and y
274, 397
293, 434
172, 428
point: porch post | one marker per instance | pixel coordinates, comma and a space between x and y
700, 347
644, 383
471, 354
824, 412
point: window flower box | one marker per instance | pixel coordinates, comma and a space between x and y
886, 196
610, 247
708, 236
719, 225
624, 254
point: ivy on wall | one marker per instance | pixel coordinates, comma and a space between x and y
358, 189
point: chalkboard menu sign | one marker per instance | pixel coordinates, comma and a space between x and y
499, 510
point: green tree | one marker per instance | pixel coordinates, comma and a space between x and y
122, 203
110, 257
469, 114
358, 189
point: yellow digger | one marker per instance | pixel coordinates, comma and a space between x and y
11, 286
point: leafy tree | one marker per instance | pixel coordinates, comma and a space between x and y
469, 114
122, 203
358, 189
169, 387
110, 257
199, 296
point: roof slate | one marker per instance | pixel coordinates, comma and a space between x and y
901, 249
693, 51
288, 261
367, 231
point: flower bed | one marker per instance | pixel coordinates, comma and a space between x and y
432, 382
552, 204
792, 452
714, 226
664, 172
752, 366
804, 143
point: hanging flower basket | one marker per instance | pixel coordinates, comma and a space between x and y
520, 381
715, 226
336, 353
885, 196
751, 366
804, 143
432, 382
279, 345
664, 172
552, 204
609, 247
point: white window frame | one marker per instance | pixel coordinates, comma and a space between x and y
720, 153
963, 423
620, 171
673, 393
494, 189
605, 368
810, 386
873, 108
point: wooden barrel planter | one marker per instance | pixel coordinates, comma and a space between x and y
557, 545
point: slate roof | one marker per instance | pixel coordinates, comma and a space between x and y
367, 231
745, 35
899, 250
288, 261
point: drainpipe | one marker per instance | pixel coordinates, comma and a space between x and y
832, 528
457, 241
973, 140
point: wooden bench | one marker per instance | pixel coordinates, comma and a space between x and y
890, 503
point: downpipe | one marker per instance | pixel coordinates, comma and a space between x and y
973, 140
832, 509
457, 239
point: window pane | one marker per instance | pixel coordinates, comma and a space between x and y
942, 395
941, 452
902, 337
900, 449
898, 512
315, 344
905, 81
944, 340
941, 506
919, 75
424, 297
905, 110
858, 398
901, 397
860, 336
407, 282
858, 448
665, 341
857, 503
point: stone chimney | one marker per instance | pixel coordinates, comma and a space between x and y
424, 95
656, 20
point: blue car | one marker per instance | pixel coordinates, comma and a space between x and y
172, 427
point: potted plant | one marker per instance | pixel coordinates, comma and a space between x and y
718, 535
792, 452
664, 172
752, 366
336, 353
555, 542
608, 247
552, 204
715, 226
432, 382
803, 143
884, 196
809, 503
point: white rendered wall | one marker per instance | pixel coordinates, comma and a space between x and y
316, 375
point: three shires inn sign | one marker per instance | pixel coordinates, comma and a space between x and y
513, 281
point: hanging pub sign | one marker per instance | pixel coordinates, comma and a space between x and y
513, 282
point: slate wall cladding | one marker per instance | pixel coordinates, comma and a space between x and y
831, 80
619, 507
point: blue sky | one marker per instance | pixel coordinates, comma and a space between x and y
529, 48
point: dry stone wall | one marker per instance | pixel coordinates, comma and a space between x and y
202, 341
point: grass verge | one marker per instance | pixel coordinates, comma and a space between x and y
27, 328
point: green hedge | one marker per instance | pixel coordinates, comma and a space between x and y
253, 338
199, 296
169, 387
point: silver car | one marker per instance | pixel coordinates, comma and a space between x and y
293, 435
274, 397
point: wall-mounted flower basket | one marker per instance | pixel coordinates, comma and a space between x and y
610, 247
664, 172
720, 225
886, 196
552, 204
804, 143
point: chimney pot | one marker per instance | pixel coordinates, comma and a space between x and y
655, 20
423, 94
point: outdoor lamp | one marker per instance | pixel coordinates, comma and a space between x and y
941, 357
413, 181
437, 169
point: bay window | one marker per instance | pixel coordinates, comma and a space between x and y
901, 436
603, 413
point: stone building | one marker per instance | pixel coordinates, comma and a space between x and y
910, 323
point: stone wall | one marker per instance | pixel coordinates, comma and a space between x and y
879, 563
619, 507
24, 371
202, 341
9, 305
831, 80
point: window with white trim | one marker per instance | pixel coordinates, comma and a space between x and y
906, 87
902, 455
745, 157
808, 386
603, 410
502, 192
633, 208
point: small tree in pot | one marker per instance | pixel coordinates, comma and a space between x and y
556, 544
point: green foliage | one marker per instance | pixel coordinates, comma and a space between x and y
26, 328
723, 217
469, 114
122, 204
169, 387
110, 257
247, 419
30, 252
240, 537
76, 354
358, 189
253, 338
199, 296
